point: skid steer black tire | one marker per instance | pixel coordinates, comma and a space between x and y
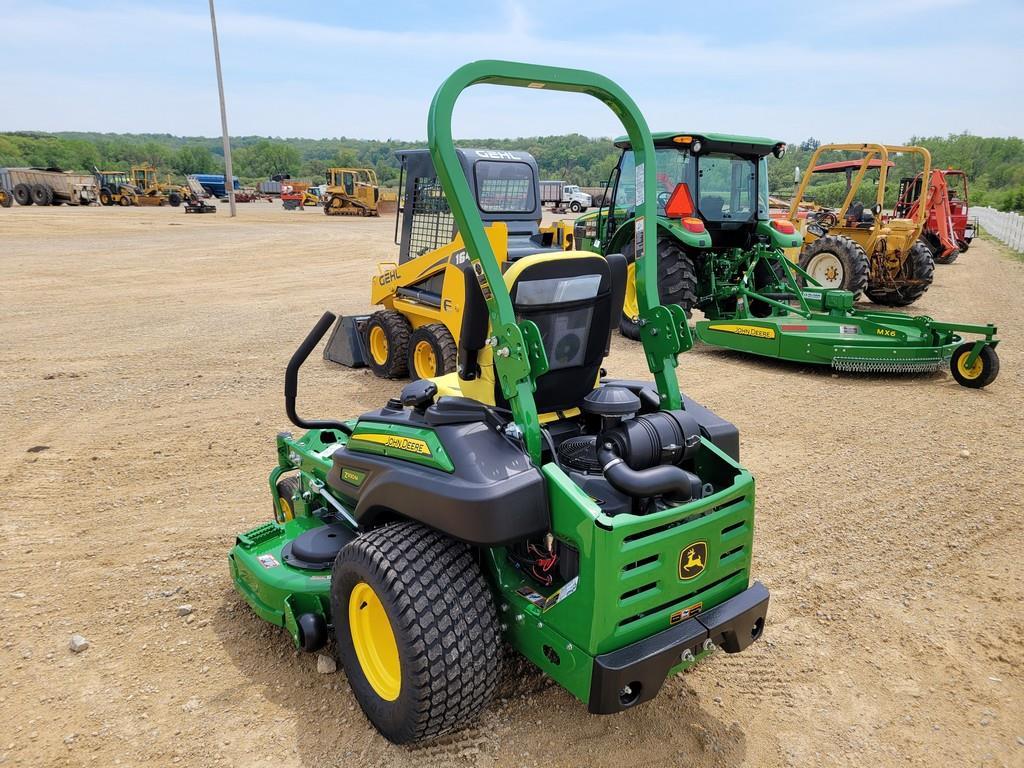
443, 351
441, 614
174, 199
918, 266
850, 255
677, 281
392, 362
23, 194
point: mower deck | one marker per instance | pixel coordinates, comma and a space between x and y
883, 342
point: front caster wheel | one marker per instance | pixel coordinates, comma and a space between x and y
982, 373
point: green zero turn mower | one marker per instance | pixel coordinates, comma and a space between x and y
719, 251
600, 528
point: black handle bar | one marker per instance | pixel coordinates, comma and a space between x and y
291, 378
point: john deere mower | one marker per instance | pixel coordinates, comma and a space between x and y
600, 528
422, 295
857, 248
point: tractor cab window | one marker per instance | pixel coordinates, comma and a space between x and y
673, 168
504, 187
726, 187
350, 183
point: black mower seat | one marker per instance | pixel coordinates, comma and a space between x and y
574, 298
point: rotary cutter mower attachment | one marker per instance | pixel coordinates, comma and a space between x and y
600, 528
767, 312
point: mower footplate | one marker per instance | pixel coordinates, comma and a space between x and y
634, 674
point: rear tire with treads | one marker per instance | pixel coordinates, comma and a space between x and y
919, 266
677, 282
433, 606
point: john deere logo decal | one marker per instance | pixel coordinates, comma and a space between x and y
692, 560
755, 331
407, 444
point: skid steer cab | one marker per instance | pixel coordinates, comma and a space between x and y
421, 295
601, 528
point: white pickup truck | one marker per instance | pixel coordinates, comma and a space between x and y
561, 196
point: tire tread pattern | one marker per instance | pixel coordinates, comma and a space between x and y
446, 610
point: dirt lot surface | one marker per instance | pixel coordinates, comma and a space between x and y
140, 389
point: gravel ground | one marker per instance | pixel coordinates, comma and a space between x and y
142, 360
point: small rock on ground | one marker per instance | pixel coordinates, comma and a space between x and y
326, 665
184, 610
78, 643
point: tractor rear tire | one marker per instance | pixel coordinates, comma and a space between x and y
835, 252
106, 198
918, 266
23, 194
174, 199
677, 282
416, 630
981, 374
287, 487
387, 341
432, 352
963, 245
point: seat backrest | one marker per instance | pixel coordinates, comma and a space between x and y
575, 299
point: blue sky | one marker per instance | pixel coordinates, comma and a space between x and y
369, 69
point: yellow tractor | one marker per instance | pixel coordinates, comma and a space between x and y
422, 296
154, 192
860, 249
351, 192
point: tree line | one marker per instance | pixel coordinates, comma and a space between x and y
994, 166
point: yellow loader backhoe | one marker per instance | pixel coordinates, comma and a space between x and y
351, 192
422, 295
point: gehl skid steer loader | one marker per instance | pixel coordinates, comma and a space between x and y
417, 331
600, 528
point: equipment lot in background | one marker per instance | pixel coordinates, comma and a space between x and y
145, 349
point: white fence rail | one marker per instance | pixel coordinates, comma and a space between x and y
1007, 228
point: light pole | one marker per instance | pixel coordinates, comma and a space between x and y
229, 177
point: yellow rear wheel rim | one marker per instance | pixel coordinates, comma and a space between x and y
424, 360
374, 642
378, 345
969, 372
630, 307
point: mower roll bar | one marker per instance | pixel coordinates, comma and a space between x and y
517, 362
291, 378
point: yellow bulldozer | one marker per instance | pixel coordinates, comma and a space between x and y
352, 192
154, 192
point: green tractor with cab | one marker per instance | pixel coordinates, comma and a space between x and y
600, 528
720, 251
